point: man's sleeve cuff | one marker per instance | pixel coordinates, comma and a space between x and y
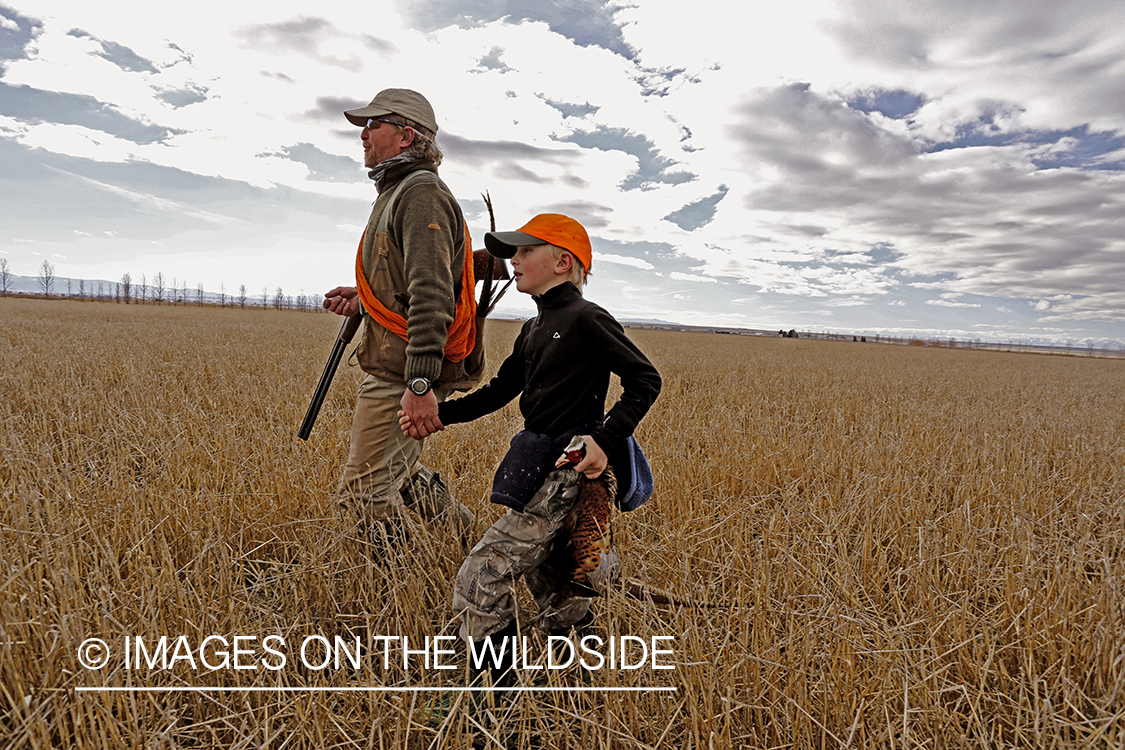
424, 367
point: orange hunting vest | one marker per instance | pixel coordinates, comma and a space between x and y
461, 334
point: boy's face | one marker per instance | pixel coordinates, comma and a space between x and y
536, 269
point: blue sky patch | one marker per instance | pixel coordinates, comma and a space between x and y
884, 253
587, 23
1083, 148
1085, 153
35, 105
571, 110
323, 166
698, 214
14, 41
896, 104
492, 61
652, 167
118, 54
190, 94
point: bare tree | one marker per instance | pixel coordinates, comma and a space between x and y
5, 277
117, 292
278, 299
183, 292
242, 296
265, 296
142, 289
82, 288
199, 294
158, 288
222, 294
46, 277
127, 287
101, 292
68, 287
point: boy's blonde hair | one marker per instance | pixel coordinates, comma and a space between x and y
578, 272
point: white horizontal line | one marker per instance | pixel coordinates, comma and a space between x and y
145, 689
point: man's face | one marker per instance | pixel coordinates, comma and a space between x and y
382, 142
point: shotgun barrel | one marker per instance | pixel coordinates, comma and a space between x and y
347, 330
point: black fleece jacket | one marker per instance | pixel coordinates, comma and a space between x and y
560, 368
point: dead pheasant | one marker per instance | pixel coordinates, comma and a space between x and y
585, 538
586, 528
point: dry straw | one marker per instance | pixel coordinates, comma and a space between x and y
898, 547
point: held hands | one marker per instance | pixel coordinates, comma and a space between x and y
418, 417
343, 300
592, 464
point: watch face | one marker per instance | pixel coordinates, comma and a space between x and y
419, 386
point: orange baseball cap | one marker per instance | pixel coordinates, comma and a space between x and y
551, 229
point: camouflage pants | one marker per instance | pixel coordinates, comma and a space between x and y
519, 544
384, 472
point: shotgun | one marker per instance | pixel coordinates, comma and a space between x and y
347, 330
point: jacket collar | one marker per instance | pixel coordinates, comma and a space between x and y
557, 296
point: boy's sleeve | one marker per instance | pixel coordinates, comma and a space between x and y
640, 382
493, 395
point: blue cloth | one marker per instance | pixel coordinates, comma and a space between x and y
639, 485
531, 457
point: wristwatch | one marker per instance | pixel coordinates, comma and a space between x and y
419, 386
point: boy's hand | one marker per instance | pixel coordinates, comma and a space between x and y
419, 415
593, 464
410, 429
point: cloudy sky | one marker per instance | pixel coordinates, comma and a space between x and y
934, 167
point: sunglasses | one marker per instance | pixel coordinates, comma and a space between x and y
372, 120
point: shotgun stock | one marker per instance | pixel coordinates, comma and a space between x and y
347, 330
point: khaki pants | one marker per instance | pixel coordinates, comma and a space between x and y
519, 543
383, 462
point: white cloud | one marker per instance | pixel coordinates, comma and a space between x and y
950, 303
817, 207
677, 276
624, 261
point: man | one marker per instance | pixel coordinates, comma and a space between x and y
414, 287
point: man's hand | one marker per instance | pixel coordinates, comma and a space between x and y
419, 415
593, 464
343, 300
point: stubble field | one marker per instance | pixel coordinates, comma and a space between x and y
884, 547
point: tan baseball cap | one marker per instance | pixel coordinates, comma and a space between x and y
402, 102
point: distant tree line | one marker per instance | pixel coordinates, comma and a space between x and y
157, 292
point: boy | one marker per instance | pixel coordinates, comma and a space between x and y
559, 367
